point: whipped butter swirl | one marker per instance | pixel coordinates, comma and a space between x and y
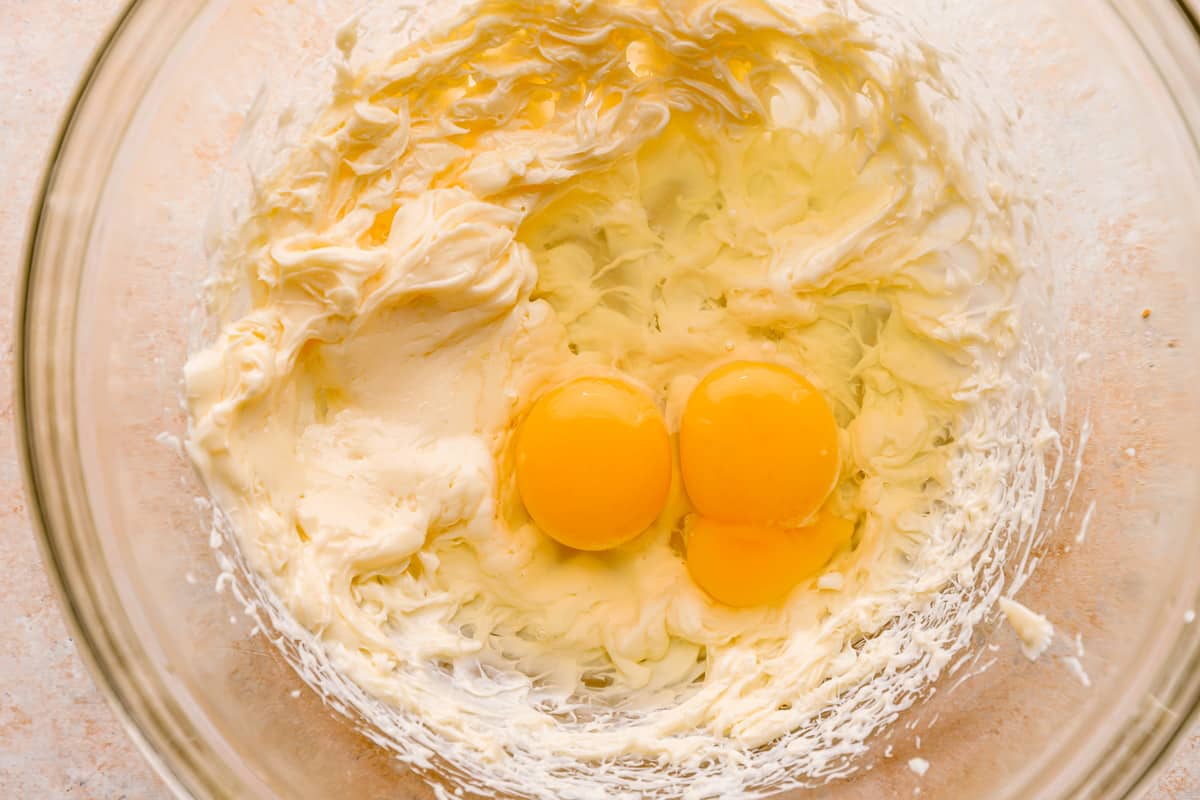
534, 191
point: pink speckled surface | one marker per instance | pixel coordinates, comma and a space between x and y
58, 738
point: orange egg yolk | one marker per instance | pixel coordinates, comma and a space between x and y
759, 455
757, 443
593, 463
745, 565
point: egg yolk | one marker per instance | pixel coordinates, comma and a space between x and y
593, 463
745, 565
757, 444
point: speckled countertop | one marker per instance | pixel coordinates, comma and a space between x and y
58, 738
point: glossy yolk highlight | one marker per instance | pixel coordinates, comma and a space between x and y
758, 451
745, 565
757, 443
593, 463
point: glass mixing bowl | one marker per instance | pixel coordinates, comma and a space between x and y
115, 262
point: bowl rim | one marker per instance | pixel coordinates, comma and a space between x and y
1145, 757
173, 768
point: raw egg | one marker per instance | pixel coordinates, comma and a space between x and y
744, 565
757, 444
758, 452
593, 463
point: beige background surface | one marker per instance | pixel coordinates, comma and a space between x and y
58, 738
